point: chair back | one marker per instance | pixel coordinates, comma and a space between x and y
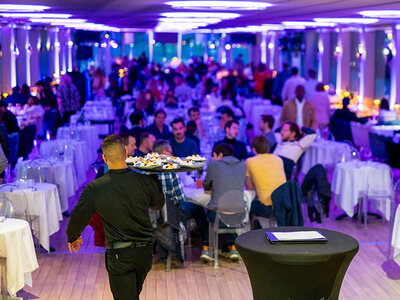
392, 151
69, 150
13, 139
6, 208
232, 208
288, 166
378, 145
20, 205
41, 170
49, 122
360, 135
26, 137
375, 188
340, 129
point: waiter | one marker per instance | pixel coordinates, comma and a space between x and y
122, 199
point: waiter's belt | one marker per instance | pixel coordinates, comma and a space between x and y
120, 245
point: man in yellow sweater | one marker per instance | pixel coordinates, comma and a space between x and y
265, 173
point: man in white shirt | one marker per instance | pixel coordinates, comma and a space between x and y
289, 88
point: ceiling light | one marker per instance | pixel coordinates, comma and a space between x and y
190, 20
66, 21
265, 27
308, 24
22, 7
35, 15
381, 13
222, 15
219, 5
346, 20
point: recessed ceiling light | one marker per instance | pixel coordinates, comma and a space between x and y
221, 15
190, 20
381, 13
66, 21
346, 20
265, 27
22, 8
308, 24
219, 5
35, 15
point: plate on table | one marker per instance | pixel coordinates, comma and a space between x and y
151, 167
196, 158
170, 166
192, 164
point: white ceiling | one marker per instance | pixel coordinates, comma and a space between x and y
145, 13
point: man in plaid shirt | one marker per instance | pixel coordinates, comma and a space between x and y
173, 188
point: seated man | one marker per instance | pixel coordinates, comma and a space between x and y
8, 118
158, 128
224, 174
173, 188
228, 115
137, 120
293, 142
194, 115
266, 124
265, 173
231, 133
146, 144
130, 142
181, 145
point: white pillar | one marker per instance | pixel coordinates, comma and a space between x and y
23, 61
150, 35
56, 54
128, 39
395, 69
63, 50
362, 75
107, 61
205, 43
70, 45
324, 58
179, 46
263, 47
34, 38
368, 61
273, 49
343, 62
8, 58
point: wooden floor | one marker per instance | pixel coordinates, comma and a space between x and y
62, 275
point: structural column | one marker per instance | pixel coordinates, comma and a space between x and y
395, 69
343, 62
150, 36
34, 37
9, 79
273, 51
62, 35
23, 60
263, 47
70, 45
127, 39
324, 52
367, 59
179, 46
310, 52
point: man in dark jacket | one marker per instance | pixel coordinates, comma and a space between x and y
122, 199
8, 118
231, 133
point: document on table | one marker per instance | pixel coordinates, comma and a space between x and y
296, 236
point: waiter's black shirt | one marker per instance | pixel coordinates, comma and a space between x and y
122, 199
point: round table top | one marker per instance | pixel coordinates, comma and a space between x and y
9, 225
255, 241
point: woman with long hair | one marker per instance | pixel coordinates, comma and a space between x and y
68, 98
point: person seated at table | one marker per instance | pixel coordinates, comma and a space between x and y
231, 133
345, 113
385, 114
129, 142
183, 92
191, 128
146, 144
8, 118
266, 124
34, 114
265, 172
16, 97
228, 115
194, 115
182, 145
299, 110
292, 142
224, 173
158, 128
173, 188
170, 100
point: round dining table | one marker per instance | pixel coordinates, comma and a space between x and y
39, 200
16, 246
306, 271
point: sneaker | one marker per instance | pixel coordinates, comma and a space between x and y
205, 254
233, 253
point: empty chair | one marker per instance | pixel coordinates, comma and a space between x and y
41, 170
378, 146
26, 138
13, 139
340, 129
360, 135
7, 208
392, 151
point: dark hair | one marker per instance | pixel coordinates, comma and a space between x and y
125, 137
191, 127
3, 103
160, 145
113, 147
224, 148
136, 117
384, 104
293, 127
312, 73
260, 144
193, 109
16, 89
229, 124
320, 87
345, 101
143, 136
228, 111
295, 71
176, 121
268, 119
160, 111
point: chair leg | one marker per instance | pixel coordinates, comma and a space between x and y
365, 211
169, 260
216, 266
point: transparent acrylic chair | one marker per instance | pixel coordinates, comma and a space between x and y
41, 170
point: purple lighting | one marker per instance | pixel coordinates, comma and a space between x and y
220, 5
22, 8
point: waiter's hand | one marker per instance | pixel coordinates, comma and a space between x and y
74, 246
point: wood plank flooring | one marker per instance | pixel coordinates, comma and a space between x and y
62, 275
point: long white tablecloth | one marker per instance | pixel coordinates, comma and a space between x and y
81, 157
64, 177
350, 182
43, 201
396, 236
325, 153
16, 244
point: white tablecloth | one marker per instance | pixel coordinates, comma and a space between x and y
16, 245
81, 157
325, 153
87, 133
64, 177
99, 110
350, 182
396, 237
43, 201
386, 130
